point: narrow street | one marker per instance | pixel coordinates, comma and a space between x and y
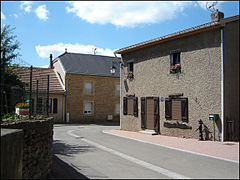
84, 151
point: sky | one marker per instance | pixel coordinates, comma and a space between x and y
48, 27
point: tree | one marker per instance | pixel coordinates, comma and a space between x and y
9, 44
9, 47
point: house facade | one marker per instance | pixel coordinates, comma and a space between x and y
170, 83
92, 87
39, 91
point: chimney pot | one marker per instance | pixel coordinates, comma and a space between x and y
217, 15
51, 62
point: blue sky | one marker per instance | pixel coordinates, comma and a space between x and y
44, 27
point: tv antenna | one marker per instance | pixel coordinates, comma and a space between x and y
210, 6
94, 51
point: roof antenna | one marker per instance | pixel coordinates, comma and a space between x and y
94, 51
211, 6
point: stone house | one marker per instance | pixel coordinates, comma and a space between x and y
170, 83
91, 84
39, 91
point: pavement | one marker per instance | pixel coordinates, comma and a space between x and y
228, 151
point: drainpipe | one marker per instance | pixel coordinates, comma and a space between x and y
222, 84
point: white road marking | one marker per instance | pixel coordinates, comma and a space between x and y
132, 159
195, 153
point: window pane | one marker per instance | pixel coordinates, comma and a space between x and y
118, 89
88, 108
117, 110
88, 88
55, 102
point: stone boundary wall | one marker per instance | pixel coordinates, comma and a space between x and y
37, 146
11, 153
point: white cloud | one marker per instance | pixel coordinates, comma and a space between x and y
58, 49
126, 13
45, 66
26, 5
42, 12
3, 16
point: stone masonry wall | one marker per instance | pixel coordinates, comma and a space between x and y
199, 81
11, 153
37, 146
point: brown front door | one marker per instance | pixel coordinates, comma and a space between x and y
150, 113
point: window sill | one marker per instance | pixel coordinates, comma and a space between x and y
177, 124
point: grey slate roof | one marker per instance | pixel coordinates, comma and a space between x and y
88, 64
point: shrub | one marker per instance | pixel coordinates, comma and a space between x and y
8, 116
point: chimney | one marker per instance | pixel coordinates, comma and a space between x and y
51, 62
217, 15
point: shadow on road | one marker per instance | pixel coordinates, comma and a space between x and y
62, 148
62, 170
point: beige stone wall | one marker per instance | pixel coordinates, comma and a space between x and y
199, 81
58, 117
104, 98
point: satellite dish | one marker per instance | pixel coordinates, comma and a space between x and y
210, 6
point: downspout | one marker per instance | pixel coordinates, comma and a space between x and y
222, 84
120, 90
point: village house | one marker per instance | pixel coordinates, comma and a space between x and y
40, 92
91, 84
170, 83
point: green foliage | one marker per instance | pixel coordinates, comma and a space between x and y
9, 44
8, 116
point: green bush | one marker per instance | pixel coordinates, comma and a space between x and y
8, 116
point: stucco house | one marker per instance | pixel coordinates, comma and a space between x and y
91, 84
170, 83
39, 91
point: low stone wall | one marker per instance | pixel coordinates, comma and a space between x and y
11, 153
37, 146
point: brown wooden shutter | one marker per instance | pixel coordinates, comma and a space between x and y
130, 106
184, 109
125, 105
135, 107
176, 109
156, 114
168, 108
143, 112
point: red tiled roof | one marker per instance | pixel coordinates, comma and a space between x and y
39, 74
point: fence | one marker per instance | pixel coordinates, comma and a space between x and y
24, 85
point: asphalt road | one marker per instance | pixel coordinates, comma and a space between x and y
85, 152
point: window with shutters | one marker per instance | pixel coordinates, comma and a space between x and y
130, 106
176, 109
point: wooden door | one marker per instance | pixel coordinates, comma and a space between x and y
150, 113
